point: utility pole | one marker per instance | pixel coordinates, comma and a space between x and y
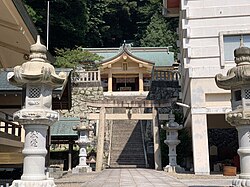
47, 41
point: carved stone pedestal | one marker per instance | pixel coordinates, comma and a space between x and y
172, 141
83, 141
38, 78
41, 183
174, 169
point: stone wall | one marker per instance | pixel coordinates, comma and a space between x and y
163, 90
80, 96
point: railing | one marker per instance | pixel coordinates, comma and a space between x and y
6, 124
165, 75
82, 76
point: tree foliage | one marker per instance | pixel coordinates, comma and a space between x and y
103, 23
159, 33
71, 58
68, 19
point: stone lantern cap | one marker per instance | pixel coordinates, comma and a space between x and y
239, 75
84, 125
172, 125
37, 70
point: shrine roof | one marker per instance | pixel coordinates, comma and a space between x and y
64, 127
159, 56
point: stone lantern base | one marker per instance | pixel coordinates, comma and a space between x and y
81, 169
174, 169
42, 183
241, 183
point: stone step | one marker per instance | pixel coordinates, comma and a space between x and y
122, 164
134, 149
125, 162
116, 165
126, 141
127, 156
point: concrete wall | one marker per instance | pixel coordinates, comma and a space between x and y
202, 25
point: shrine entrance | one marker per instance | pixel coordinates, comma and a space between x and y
102, 116
130, 83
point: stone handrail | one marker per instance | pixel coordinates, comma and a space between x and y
82, 76
6, 124
165, 75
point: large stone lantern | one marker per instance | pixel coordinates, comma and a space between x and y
83, 141
38, 78
238, 81
172, 141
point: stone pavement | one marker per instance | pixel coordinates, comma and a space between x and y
141, 178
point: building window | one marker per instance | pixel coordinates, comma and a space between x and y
229, 41
233, 42
125, 66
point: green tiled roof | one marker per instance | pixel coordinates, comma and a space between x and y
63, 127
5, 86
158, 57
161, 56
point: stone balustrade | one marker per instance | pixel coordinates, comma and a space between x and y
8, 126
165, 75
82, 76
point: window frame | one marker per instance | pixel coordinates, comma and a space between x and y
223, 62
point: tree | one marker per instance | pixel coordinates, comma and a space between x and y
96, 26
103, 23
71, 58
120, 17
160, 33
68, 20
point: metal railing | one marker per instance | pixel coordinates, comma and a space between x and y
82, 76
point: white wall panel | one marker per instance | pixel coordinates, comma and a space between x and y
218, 11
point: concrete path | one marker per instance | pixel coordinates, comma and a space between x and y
133, 178
142, 178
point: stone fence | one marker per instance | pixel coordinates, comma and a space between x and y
165, 75
83, 76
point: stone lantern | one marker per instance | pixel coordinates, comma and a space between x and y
38, 78
172, 141
238, 81
83, 141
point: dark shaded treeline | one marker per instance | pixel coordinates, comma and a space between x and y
103, 23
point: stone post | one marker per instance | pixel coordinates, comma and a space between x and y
83, 141
38, 77
238, 81
156, 133
172, 141
100, 141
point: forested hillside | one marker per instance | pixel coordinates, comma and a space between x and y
103, 23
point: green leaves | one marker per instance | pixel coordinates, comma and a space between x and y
103, 23
71, 58
160, 33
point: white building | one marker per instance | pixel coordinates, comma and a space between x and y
209, 31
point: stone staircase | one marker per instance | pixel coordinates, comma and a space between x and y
127, 144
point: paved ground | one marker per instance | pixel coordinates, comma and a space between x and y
141, 178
